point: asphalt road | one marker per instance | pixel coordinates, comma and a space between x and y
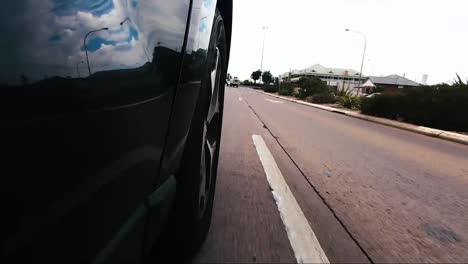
369, 192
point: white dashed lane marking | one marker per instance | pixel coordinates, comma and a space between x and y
303, 241
274, 101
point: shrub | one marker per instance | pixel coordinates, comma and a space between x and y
326, 98
343, 92
311, 85
284, 91
296, 91
349, 101
287, 88
441, 106
388, 105
270, 88
253, 85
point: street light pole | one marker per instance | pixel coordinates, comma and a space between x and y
84, 44
363, 55
130, 21
263, 47
126, 19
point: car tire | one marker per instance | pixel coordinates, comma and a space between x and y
192, 212
196, 208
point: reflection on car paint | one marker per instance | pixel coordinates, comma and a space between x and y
70, 118
193, 69
108, 53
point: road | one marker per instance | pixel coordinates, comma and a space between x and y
370, 193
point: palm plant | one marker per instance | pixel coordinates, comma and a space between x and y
343, 92
347, 99
459, 83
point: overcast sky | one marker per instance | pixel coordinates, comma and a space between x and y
412, 37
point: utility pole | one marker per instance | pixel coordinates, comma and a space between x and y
363, 55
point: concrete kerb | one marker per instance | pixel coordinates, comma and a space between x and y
442, 134
455, 137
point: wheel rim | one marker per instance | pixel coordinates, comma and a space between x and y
211, 135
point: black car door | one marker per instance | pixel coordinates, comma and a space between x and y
86, 94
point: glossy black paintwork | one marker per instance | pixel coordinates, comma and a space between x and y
83, 137
81, 153
192, 76
44, 56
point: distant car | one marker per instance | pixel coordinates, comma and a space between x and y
107, 108
235, 82
373, 95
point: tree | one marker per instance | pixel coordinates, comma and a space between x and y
256, 75
246, 82
267, 78
312, 85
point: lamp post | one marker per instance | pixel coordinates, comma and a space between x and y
263, 47
121, 23
84, 44
144, 49
363, 55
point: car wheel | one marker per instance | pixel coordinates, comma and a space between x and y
197, 177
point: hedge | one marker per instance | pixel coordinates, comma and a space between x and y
325, 98
311, 86
287, 88
438, 107
270, 88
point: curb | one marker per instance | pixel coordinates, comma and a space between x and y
427, 131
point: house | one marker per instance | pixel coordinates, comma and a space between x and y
334, 77
388, 83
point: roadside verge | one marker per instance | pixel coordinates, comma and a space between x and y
432, 132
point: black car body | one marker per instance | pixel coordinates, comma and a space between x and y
98, 100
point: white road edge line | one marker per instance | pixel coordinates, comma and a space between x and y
303, 241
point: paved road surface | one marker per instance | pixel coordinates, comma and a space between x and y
370, 193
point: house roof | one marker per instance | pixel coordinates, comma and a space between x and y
392, 80
318, 69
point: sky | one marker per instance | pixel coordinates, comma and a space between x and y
404, 37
